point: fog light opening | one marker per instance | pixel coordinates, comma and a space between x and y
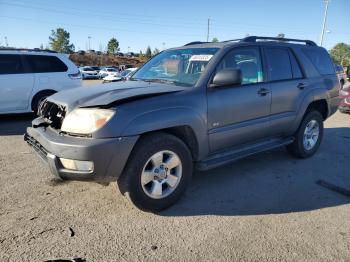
77, 165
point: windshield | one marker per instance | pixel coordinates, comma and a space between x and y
181, 66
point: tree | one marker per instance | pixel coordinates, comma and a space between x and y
340, 54
215, 40
113, 46
156, 51
148, 53
59, 41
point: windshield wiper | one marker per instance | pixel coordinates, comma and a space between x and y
166, 81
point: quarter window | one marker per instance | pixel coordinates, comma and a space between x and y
248, 61
45, 64
11, 64
279, 65
321, 60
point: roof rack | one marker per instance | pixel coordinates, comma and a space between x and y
26, 49
196, 43
280, 39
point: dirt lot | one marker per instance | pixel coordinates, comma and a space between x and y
265, 207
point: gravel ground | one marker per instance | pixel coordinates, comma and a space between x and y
265, 207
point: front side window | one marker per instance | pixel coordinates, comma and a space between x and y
248, 60
180, 66
11, 64
45, 64
279, 65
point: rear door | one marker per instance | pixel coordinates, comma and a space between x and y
287, 85
16, 84
239, 114
50, 72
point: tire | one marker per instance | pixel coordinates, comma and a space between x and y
304, 148
38, 98
133, 183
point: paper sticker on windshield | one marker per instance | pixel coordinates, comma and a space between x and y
201, 57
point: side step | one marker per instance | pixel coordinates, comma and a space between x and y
226, 157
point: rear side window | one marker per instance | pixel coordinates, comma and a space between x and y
279, 65
321, 60
11, 64
45, 64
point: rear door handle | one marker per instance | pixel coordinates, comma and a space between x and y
301, 86
263, 92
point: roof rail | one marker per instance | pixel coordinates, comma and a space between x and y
196, 43
26, 49
232, 40
255, 38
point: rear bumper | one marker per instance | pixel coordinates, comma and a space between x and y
344, 109
108, 155
334, 103
91, 77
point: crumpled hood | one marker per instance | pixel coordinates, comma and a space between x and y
104, 94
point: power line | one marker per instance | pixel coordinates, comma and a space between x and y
95, 14
97, 27
94, 11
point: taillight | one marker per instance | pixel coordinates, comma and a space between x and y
75, 76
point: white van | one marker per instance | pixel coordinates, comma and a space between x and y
27, 77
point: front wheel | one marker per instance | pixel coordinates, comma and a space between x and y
157, 173
308, 137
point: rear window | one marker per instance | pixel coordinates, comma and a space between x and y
279, 65
45, 64
321, 60
11, 64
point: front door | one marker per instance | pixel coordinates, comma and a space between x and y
239, 114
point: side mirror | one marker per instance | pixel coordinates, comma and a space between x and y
227, 77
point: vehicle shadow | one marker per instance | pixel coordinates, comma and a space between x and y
271, 183
15, 124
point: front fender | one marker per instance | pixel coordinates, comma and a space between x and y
168, 118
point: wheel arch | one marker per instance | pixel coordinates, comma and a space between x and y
318, 100
40, 93
183, 123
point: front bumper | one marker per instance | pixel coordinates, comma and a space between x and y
109, 155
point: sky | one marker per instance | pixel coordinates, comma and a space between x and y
164, 24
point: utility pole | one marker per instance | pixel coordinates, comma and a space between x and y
6, 42
89, 37
208, 30
324, 22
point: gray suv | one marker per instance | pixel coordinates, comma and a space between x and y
198, 106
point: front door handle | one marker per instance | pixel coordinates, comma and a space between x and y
301, 86
263, 92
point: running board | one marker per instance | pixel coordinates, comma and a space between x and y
224, 158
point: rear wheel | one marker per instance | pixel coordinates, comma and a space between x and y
157, 173
308, 137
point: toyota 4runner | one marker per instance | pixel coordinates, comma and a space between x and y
199, 106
